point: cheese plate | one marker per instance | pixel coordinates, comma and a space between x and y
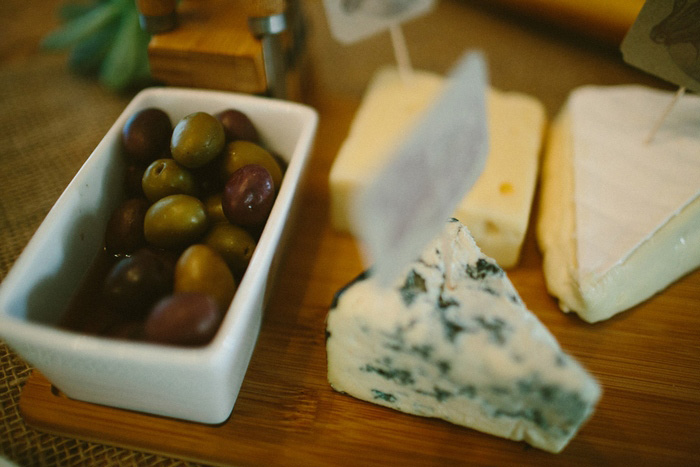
647, 361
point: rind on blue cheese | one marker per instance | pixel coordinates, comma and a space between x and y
463, 348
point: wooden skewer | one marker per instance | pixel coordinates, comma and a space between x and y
403, 59
660, 121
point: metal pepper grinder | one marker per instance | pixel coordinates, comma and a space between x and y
267, 21
250, 46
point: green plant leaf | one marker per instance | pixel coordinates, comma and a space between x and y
85, 25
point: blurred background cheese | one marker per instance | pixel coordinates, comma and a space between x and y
619, 219
391, 106
497, 209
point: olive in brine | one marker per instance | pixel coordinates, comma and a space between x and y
233, 243
146, 135
248, 196
208, 179
215, 212
183, 319
133, 175
238, 126
175, 221
136, 282
240, 153
201, 269
166, 177
124, 232
197, 139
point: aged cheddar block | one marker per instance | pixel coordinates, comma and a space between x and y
619, 218
497, 209
457, 343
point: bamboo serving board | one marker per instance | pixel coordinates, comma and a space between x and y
647, 360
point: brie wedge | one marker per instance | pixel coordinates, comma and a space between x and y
619, 219
452, 339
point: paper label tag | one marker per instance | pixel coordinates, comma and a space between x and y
665, 41
412, 197
353, 20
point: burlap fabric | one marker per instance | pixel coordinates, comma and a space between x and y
50, 122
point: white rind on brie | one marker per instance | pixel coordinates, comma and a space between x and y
658, 257
463, 348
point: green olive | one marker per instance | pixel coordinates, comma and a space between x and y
240, 153
197, 139
166, 177
233, 243
201, 269
175, 221
215, 210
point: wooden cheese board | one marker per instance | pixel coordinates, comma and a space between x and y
646, 359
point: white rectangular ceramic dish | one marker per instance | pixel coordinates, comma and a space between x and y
198, 384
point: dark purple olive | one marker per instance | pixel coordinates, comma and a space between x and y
136, 282
237, 126
239, 153
124, 232
189, 318
146, 135
208, 179
132, 180
248, 196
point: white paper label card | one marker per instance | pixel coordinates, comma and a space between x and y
411, 198
354, 20
665, 41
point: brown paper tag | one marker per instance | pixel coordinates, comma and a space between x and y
665, 41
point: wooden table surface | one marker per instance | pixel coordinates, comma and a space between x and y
646, 359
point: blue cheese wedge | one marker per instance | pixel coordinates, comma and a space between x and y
457, 343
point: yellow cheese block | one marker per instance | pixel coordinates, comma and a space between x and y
390, 108
497, 208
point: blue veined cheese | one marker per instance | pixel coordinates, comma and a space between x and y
459, 346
